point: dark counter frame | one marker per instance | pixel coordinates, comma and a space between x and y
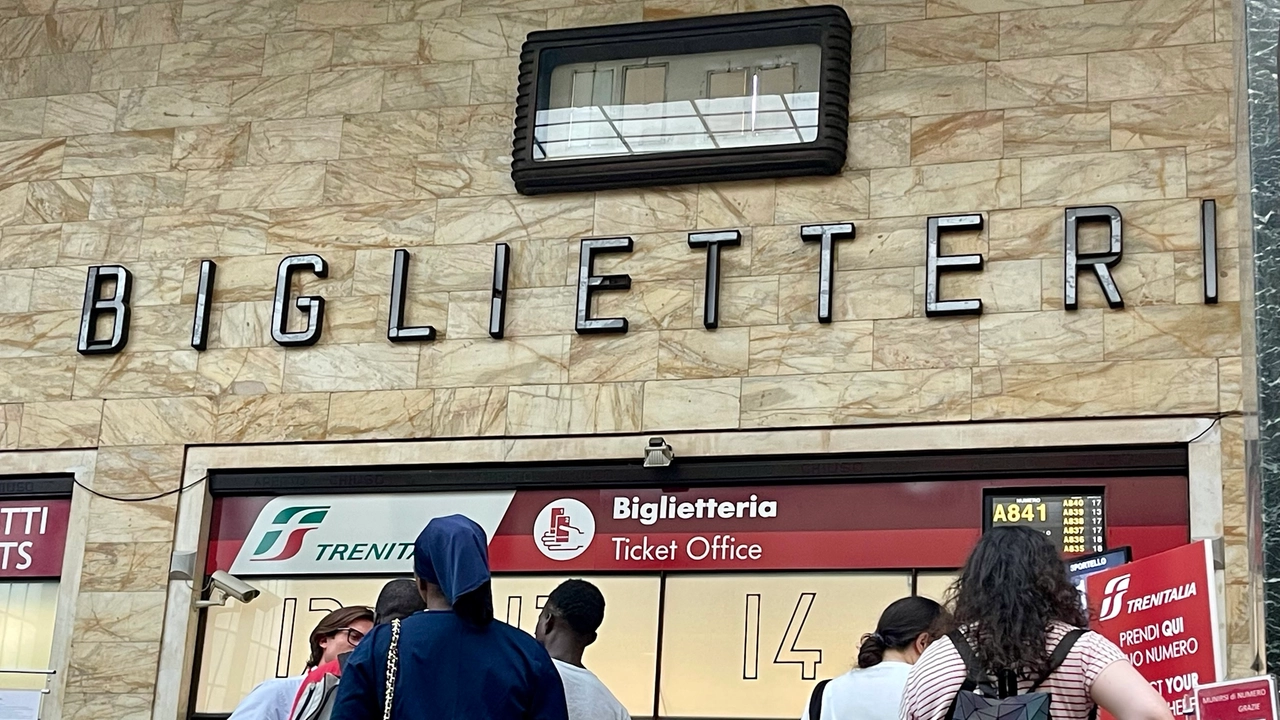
708, 472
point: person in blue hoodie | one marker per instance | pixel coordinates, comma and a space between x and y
455, 662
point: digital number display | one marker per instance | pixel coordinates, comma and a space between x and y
1075, 523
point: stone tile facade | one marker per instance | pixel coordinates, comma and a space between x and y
158, 134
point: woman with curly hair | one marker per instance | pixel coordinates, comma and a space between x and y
1012, 605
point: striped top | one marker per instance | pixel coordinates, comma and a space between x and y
937, 677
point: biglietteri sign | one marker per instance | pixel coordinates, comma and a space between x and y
99, 305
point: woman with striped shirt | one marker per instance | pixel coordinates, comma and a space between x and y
1013, 603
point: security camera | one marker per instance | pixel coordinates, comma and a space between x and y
229, 585
658, 453
234, 586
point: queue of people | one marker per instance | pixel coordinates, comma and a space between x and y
396, 662
1013, 640
336, 635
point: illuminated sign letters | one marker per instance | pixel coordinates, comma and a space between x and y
204, 302
589, 283
397, 331
96, 307
312, 305
117, 280
713, 241
936, 263
826, 236
1101, 262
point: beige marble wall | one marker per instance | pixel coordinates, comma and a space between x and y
157, 134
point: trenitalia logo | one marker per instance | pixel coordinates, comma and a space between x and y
1113, 598
349, 534
295, 523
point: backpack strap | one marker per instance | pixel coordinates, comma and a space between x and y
974, 677
1059, 655
815, 700
974, 674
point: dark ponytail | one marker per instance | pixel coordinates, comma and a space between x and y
900, 624
871, 652
475, 607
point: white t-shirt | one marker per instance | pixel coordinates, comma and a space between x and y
873, 693
270, 700
587, 697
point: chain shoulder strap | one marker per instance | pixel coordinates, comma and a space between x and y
393, 664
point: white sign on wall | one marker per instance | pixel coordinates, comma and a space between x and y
303, 534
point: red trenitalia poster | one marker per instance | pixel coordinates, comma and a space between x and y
1162, 611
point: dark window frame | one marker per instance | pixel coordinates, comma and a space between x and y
37, 486
827, 26
1133, 460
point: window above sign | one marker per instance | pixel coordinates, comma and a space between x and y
728, 97
709, 101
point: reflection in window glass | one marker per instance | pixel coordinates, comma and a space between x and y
776, 81
27, 613
732, 83
753, 645
644, 85
246, 644
935, 585
624, 657
705, 101
592, 88
733, 645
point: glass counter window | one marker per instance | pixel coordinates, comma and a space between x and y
268, 638
27, 611
719, 645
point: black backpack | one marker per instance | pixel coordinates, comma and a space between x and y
978, 699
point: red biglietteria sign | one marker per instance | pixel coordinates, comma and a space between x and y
1163, 613
1247, 699
857, 526
33, 535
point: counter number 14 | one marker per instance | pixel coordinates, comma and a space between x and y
789, 652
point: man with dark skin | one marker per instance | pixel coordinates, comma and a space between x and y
567, 625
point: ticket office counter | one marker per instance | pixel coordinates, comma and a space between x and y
740, 645
738, 618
